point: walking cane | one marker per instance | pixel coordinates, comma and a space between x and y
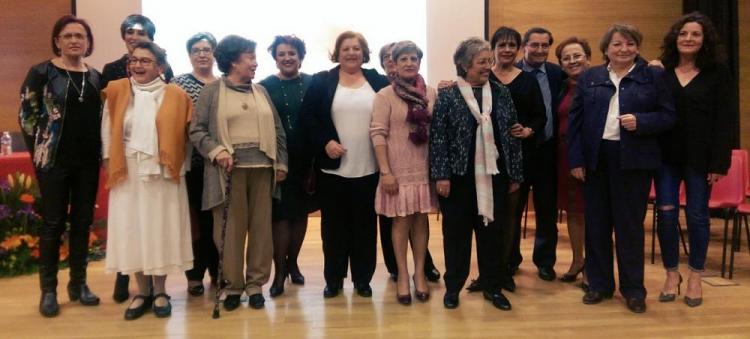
225, 216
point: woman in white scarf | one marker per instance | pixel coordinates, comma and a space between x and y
475, 163
144, 147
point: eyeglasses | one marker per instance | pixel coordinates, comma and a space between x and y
70, 36
199, 51
536, 45
573, 58
142, 61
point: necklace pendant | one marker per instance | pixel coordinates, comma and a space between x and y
80, 99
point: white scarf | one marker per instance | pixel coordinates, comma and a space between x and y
485, 152
143, 136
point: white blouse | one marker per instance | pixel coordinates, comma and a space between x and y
351, 112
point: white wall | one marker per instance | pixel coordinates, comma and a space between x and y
105, 18
448, 22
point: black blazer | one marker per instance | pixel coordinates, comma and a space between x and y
316, 111
556, 77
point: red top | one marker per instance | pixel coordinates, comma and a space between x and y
563, 172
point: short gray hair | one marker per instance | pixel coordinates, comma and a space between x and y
466, 51
403, 47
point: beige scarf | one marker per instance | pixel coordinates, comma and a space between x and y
485, 153
267, 126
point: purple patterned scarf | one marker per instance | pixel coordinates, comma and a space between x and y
415, 95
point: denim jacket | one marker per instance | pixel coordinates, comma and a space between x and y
643, 93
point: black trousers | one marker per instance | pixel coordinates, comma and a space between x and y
615, 199
460, 218
73, 185
386, 244
205, 254
541, 175
348, 227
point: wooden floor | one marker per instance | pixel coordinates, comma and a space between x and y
540, 309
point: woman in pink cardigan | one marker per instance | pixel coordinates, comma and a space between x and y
400, 122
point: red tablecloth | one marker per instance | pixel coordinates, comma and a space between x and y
21, 162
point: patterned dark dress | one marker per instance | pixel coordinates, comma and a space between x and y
287, 96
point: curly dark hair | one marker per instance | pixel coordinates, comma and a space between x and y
709, 54
229, 50
70, 19
291, 40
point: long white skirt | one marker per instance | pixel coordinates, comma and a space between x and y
148, 228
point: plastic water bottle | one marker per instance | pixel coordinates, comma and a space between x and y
6, 144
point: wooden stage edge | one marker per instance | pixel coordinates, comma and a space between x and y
540, 308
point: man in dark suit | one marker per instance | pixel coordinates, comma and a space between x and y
541, 175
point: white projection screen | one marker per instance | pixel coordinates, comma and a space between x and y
316, 22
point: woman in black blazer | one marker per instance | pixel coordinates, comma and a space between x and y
698, 149
337, 112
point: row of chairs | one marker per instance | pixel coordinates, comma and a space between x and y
728, 197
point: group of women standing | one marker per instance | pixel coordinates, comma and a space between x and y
206, 162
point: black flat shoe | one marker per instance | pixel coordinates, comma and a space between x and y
121, 293
48, 305
547, 273
636, 305
331, 291
83, 294
256, 301
509, 284
432, 274
450, 300
594, 297
585, 287
135, 313
162, 311
231, 302
276, 291
403, 299
363, 290
498, 300
196, 290
297, 278
474, 286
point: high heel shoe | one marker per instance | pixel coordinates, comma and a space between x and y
571, 276
421, 295
277, 288
669, 297
296, 277
403, 299
693, 302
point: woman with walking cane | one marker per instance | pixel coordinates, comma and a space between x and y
237, 129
